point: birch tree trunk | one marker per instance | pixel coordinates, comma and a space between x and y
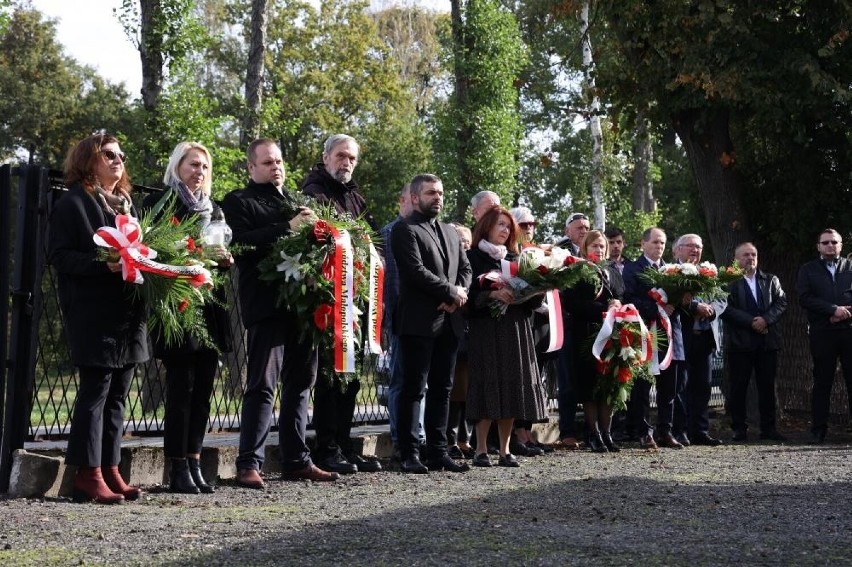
594, 123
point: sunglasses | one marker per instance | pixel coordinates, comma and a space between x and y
827, 242
526, 224
111, 155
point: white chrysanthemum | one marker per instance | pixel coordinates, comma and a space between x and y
557, 257
688, 269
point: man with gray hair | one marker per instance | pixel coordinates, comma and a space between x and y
482, 202
330, 183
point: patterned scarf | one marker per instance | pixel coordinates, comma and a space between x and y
115, 203
197, 202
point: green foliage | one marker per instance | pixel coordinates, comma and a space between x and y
175, 33
478, 132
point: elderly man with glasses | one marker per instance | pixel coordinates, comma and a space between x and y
825, 293
576, 227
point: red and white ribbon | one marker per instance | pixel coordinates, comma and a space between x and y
375, 310
661, 298
554, 320
345, 317
624, 314
135, 257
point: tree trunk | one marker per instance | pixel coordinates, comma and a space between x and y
706, 138
643, 156
151, 53
462, 84
254, 73
594, 122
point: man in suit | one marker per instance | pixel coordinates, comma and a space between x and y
700, 332
256, 215
756, 304
636, 292
825, 292
434, 275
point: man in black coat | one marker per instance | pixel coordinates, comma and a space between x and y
756, 304
825, 292
257, 218
434, 275
330, 183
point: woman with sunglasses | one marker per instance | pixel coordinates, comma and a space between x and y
105, 327
190, 365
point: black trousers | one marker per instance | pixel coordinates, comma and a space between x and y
670, 382
741, 365
189, 385
827, 346
273, 345
696, 397
97, 423
426, 362
639, 409
334, 409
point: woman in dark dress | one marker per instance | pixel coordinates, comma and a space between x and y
190, 365
587, 304
503, 379
105, 327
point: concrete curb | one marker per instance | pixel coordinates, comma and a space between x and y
43, 473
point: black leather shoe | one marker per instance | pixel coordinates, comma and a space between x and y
610, 444
817, 438
706, 440
455, 453
482, 460
336, 463
508, 460
596, 444
195, 472
445, 463
772, 436
544, 448
740, 436
683, 439
180, 480
364, 464
413, 465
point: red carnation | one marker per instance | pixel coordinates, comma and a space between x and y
322, 316
542, 270
569, 260
321, 230
624, 375
182, 306
190, 244
175, 221
594, 257
624, 337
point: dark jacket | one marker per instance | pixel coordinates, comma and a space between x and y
105, 327
478, 302
739, 336
428, 272
257, 218
216, 318
820, 296
636, 292
345, 198
586, 306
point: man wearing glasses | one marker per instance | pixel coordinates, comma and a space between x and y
576, 228
825, 292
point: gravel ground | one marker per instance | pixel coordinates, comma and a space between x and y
754, 504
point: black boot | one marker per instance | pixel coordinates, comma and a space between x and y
179, 479
197, 478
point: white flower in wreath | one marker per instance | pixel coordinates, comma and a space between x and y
291, 266
688, 269
557, 257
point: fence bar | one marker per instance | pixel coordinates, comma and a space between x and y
26, 307
5, 265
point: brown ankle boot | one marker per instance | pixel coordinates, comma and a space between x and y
89, 486
114, 481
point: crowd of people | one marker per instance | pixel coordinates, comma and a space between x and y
464, 384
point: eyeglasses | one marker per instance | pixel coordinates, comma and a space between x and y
827, 242
526, 225
692, 245
111, 155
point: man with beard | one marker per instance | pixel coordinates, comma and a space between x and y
434, 275
825, 292
330, 183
